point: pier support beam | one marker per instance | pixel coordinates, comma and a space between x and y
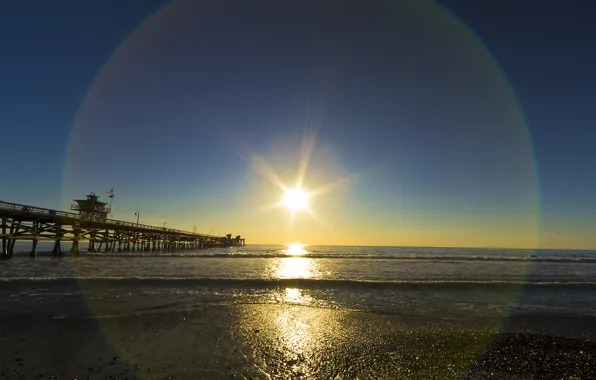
4, 252
57, 247
91, 247
14, 227
11, 242
107, 240
74, 249
57, 251
33, 253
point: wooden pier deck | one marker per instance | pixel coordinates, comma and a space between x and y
25, 222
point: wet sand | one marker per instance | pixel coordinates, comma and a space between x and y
275, 341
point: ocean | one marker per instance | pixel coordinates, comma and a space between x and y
485, 293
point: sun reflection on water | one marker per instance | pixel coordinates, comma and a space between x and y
294, 267
296, 249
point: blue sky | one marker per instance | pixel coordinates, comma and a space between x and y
162, 103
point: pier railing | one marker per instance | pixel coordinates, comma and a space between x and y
40, 211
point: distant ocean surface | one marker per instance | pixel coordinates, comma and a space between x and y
437, 282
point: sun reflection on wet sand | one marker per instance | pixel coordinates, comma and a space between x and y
294, 295
296, 330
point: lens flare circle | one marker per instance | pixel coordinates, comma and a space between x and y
147, 67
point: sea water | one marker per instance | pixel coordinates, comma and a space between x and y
410, 281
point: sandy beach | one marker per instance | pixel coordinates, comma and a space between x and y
256, 318
277, 341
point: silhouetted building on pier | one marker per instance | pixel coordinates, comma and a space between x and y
91, 208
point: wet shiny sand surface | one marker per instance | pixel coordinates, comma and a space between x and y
285, 341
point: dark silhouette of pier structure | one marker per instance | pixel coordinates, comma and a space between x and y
90, 223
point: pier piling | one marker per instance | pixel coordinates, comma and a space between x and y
4, 253
33, 253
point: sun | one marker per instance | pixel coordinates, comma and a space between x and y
296, 199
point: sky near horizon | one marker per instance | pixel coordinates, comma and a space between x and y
451, 123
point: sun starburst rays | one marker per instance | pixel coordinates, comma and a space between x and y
296, 199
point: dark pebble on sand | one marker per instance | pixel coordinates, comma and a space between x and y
539, 355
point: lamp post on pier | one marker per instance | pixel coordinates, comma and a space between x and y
164, 225
138, 213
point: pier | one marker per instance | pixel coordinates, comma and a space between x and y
25, 222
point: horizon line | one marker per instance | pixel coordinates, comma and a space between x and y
425, 246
